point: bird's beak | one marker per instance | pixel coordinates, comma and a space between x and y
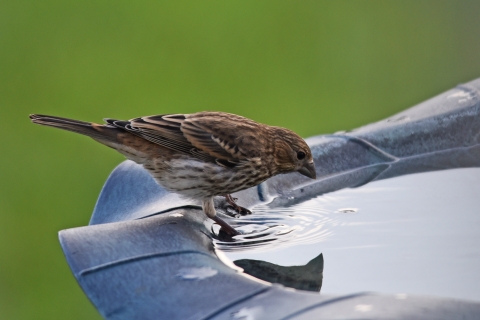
309, 170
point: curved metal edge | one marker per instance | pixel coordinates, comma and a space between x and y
131, 193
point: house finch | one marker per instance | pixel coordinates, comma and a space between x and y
200, 155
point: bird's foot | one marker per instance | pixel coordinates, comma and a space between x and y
233, 203
228, 229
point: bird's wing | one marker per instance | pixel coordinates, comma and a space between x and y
223, 135
163, 130
210, 136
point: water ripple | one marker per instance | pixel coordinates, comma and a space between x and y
304, 223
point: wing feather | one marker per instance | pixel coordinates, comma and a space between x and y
227, 136
210, 136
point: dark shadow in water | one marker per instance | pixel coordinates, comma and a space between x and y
308, 277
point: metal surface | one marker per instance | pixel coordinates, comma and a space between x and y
148, 254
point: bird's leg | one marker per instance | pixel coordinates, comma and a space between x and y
225, 226
209, 209
232, 202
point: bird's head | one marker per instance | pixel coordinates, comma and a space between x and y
292, 153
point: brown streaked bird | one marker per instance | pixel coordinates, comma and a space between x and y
200, 155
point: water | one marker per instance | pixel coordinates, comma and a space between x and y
196, 273
279, 227
416, 234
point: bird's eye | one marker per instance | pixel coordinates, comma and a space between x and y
300, 155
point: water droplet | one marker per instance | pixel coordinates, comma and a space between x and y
247, 313
176, 215
401, 296
363, 307
196, 273
251, 228
462, 96
347, 210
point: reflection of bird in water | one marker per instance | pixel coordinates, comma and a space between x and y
200, 155
308, 277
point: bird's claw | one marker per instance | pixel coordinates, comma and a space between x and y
241, 210
232, 202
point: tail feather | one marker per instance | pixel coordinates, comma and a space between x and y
93, 130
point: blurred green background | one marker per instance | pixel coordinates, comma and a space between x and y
312, 66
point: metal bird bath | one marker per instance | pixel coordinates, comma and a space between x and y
148, 254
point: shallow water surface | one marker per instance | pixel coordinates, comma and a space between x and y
416, 234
